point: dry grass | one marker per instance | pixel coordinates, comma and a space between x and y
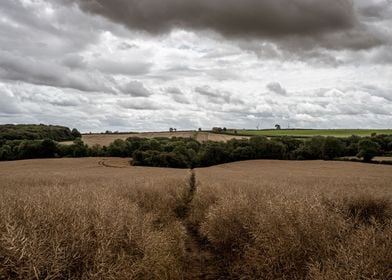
81, 219
74, 219
297, 220
106, 139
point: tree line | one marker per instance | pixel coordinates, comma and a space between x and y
189, 153
37, 132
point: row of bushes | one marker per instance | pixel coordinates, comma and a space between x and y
187, 152
37, 132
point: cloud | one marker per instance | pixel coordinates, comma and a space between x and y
229, 17
9, 103
139, 104
177, 95
130, 68
136, 89
276, 88
41, 72
217, 96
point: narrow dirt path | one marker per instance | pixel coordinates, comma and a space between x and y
199, 259
113, 163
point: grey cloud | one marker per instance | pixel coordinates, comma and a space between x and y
374, 10
177, 95
136, 89
74, 61
13, 67
139, 104
126, 46
229, 17
8, 104
174, 90
131, 68
181, 99
217, 96
276, 88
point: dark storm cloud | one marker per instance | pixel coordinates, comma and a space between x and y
229, 17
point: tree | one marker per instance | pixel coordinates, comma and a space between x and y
278, 127
119, 148
367, 149
332, 148
75, 133
48, 149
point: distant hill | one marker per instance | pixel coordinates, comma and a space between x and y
37, 132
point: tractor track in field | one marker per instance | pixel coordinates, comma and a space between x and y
106, 163
199, 259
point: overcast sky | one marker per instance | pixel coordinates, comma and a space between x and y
142, 65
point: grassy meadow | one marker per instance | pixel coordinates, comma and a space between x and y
99, 218
314, 132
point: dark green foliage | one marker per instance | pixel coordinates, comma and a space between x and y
36, 132
77, 149
159, 159
242, 153
385, 142
5, 152
188, 153
213, 153
332, 148
368, 149
311, 149
263, 148
76, 133
119, 148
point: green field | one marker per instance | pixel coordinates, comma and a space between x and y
314, 132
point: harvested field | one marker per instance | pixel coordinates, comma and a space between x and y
100, 218
315, 132
106, 139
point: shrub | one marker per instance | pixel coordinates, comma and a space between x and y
367, 149
119, 148
310, 150
332, 148
213, 153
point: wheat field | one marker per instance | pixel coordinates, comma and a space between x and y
100, 218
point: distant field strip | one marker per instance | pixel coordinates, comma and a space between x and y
315, 132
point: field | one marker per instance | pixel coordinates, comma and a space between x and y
106, 139
99, 218
315, 132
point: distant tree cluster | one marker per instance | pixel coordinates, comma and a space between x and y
37, 132
188, 153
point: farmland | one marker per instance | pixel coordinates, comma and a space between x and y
313, 132
100, 218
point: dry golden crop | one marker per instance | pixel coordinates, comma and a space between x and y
99, 218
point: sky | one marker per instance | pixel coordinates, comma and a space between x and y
148, 65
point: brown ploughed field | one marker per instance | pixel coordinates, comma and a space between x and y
100, 218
